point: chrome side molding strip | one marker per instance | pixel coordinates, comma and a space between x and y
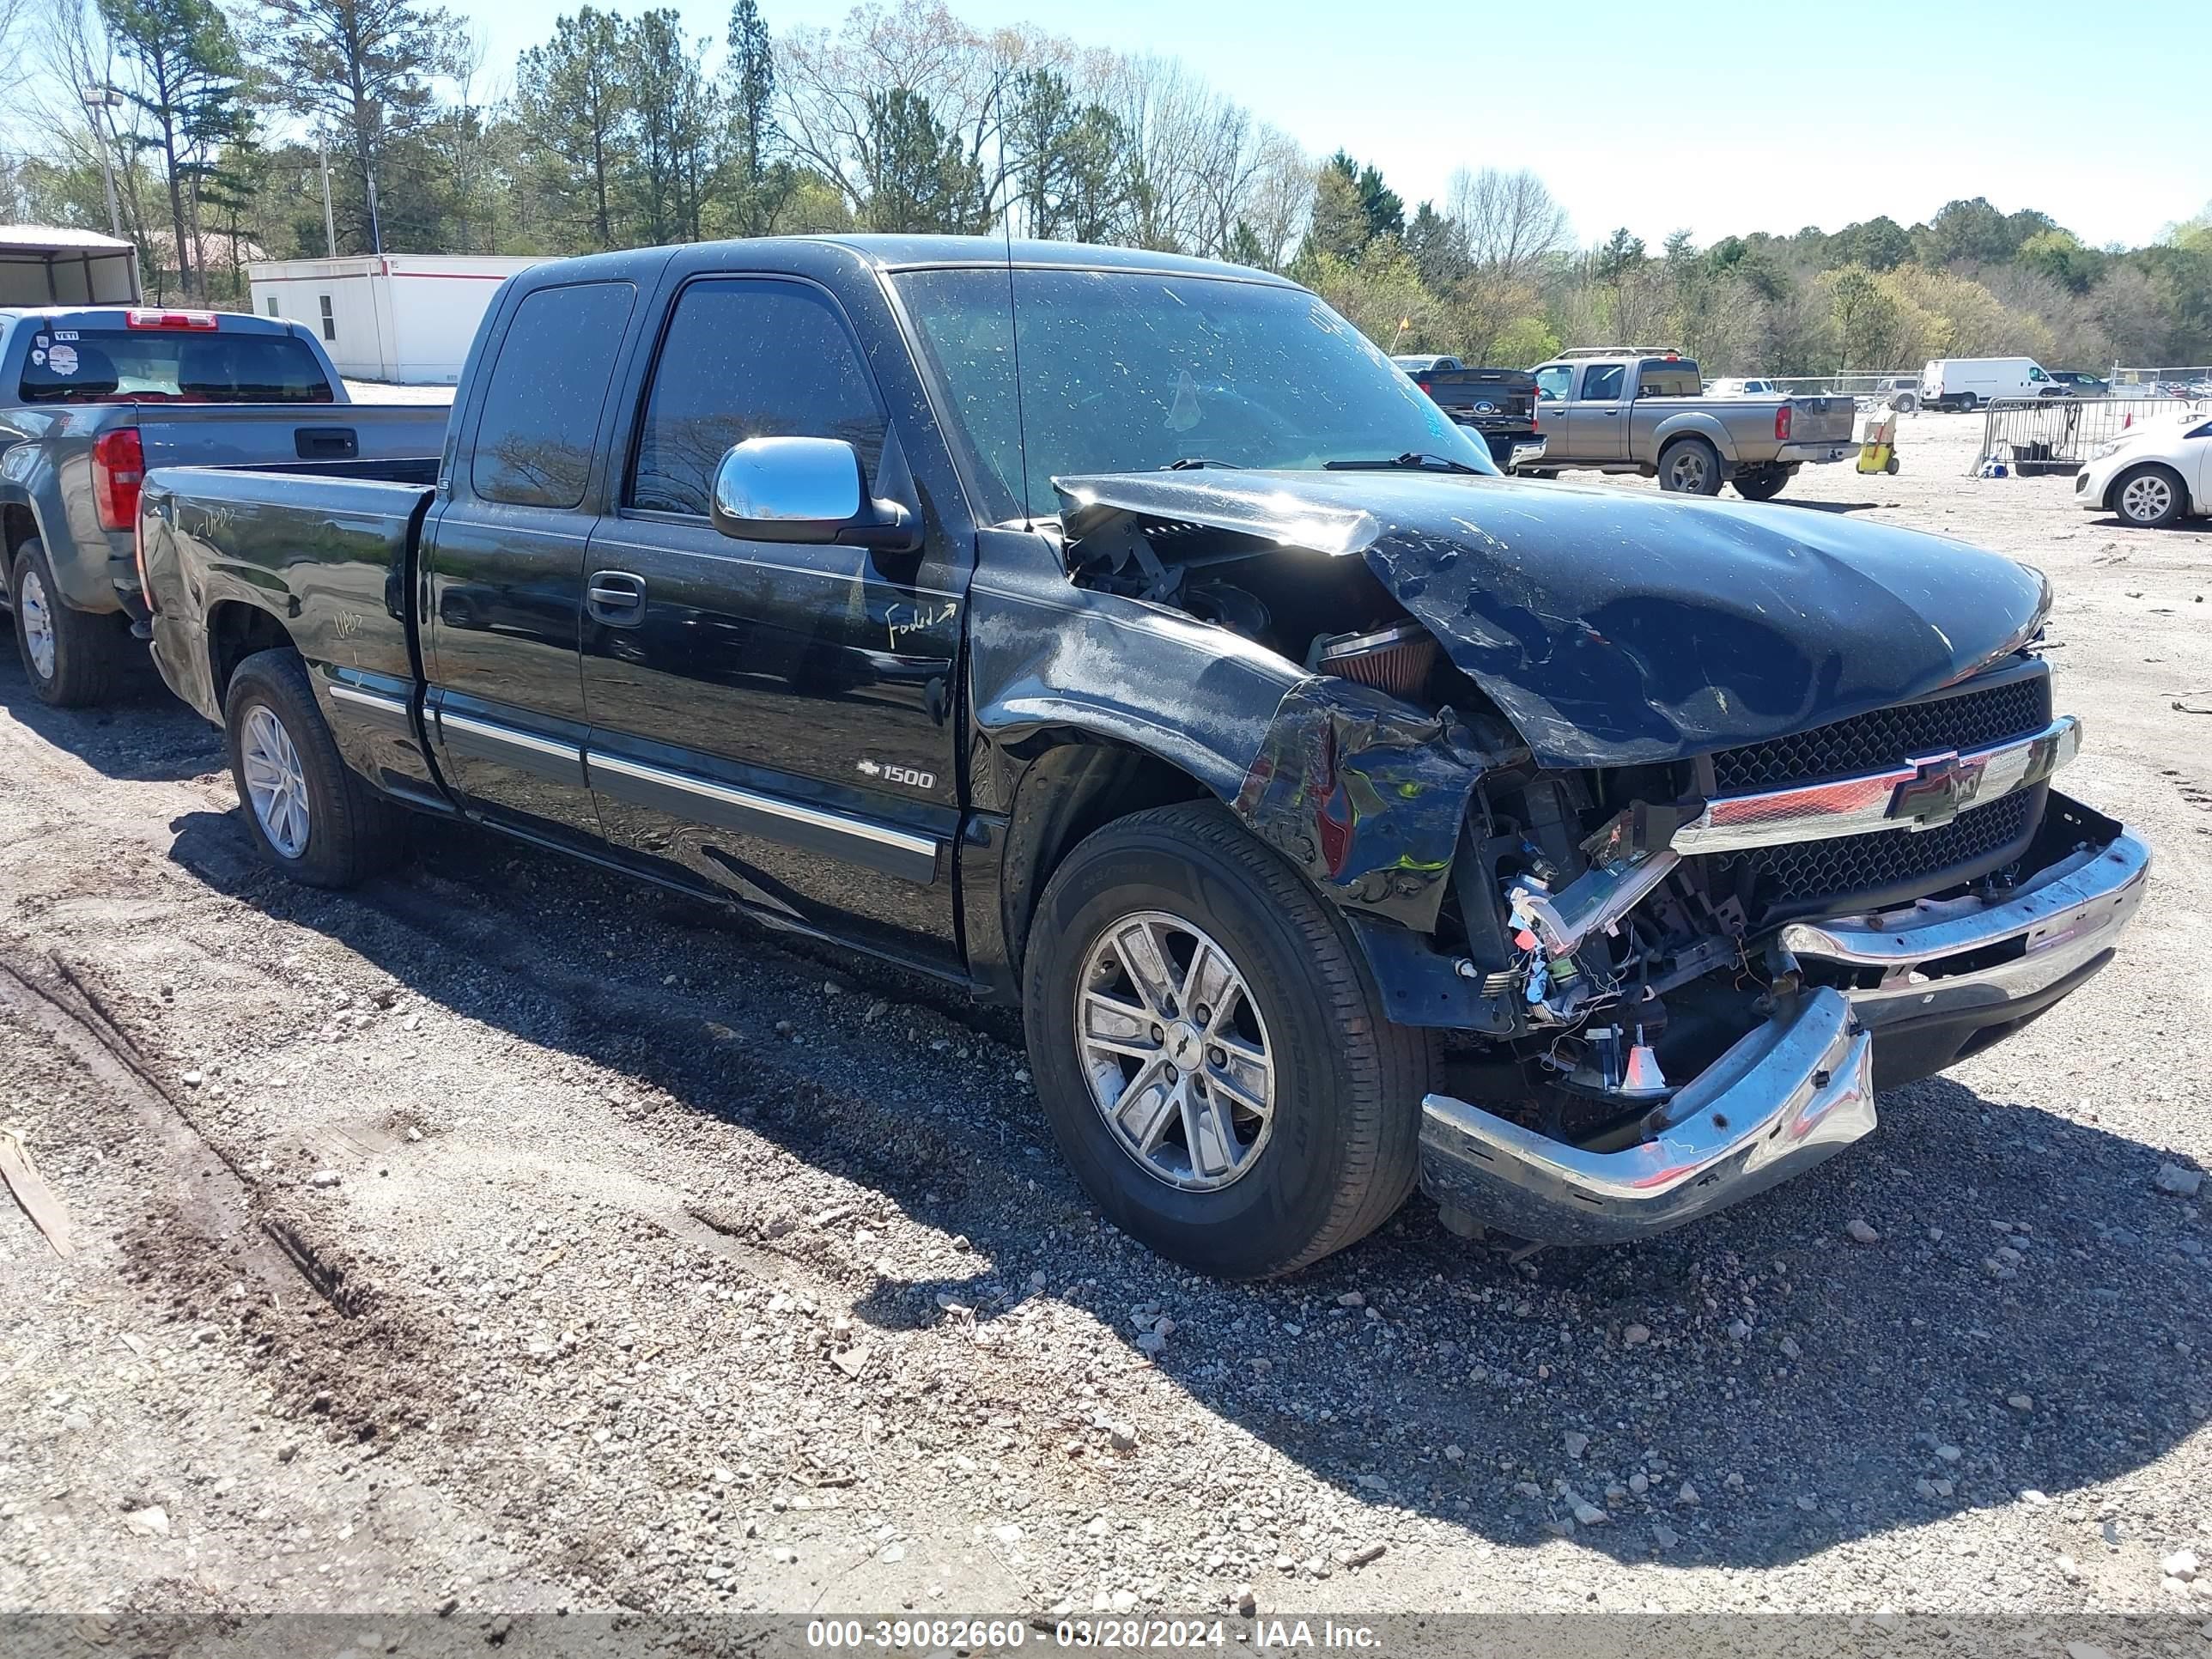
375, 708
488, 740
684, 794
1924, 792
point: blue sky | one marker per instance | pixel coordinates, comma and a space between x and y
1719, 116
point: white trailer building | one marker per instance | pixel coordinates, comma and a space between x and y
405, 318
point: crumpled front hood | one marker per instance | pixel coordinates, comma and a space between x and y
1613, 627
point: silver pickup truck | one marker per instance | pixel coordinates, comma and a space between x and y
1641, 409
91, 398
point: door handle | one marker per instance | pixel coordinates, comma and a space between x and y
616, 598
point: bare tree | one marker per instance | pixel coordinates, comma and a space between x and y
71, 58
830, 90
1511, 221
1280, 198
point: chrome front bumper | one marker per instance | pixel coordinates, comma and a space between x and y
1799, 1089
1790, 1095
1942, 961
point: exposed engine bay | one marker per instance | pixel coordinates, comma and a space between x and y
1627, 929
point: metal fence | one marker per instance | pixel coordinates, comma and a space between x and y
2036, 435
2172, 381
1841, 385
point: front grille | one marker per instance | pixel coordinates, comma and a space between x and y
2016, 704
1888, 866
1820, 875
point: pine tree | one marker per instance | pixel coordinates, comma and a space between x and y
186, 66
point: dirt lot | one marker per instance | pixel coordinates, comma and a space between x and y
510, 1235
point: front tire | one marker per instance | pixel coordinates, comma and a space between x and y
2149, 497
307, 811
73, 657
1211, 1050
1690, 466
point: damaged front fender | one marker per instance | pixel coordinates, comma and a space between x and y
1364, 794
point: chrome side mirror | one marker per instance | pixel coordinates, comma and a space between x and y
806, 489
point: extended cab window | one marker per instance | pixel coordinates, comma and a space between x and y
748, 358
151, 365
542, 407
1601, 382
1660, 378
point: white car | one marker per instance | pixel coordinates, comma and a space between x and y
2153, 474
1743, 389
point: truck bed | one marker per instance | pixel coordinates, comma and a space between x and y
220, 537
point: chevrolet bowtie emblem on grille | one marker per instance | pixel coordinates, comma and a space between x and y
1940, 786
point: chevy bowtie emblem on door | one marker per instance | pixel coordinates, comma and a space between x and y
1940, 786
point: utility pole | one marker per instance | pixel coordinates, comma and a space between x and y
329, 222
95, 100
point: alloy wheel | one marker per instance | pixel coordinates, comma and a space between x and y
276, 783
38, 621
2147, 499
1686, 472
1174, 1051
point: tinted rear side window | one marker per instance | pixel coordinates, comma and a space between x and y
746, 358
1665, 380
1603, 382
542, 408
195, 366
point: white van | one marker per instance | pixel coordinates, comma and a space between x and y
1970, 382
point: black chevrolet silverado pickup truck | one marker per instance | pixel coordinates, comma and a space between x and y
1119, 636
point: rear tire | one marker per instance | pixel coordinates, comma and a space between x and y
2149, 497
1334, 1152
73, 657
307, 811
1969, 402
1690, 466
1762, 483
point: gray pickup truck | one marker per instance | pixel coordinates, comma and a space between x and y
1640, 409
91, 398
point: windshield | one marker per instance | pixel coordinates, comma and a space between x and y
1131, 371
101, 365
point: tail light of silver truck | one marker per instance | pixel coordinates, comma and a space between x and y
1782, 424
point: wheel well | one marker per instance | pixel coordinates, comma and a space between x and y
1070, 791
2113, 490
17, 526
235, 632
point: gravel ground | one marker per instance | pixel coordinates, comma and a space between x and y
510, 1236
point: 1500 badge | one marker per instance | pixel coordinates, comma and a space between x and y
911, 776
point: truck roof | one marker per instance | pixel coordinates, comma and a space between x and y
896, 252
234, 322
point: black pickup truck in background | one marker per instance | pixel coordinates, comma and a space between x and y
1341, 814
91, 398
1498, 402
